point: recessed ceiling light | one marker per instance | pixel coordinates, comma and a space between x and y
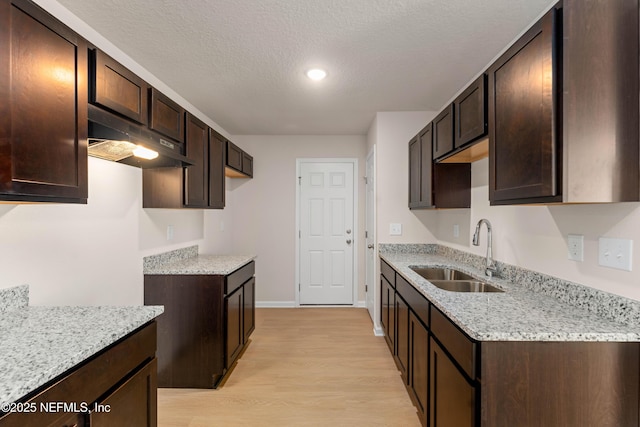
316, 74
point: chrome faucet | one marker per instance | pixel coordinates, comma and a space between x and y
491, 267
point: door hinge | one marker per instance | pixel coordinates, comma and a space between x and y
299, 287
366, 234
366, 288
299, 234
299, 180
366, 180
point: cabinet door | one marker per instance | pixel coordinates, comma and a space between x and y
247, 164
43, 114
249, 301
116, 88
421, 169
217, 146
471, 119
234, 156
134, 403
443, 132
197, 176
523, 96
166, 116
387, 312
452, 399
402, 337
419, 365
234, 310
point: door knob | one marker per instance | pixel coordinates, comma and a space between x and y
348, 241
349, 231
370, 246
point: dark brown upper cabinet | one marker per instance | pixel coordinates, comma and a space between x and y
600, 101
196, 177
201, 185
166, 116
443, 132
420, 169
471, 117
118, 89
564, 108
436, 185
43, 114
238, 163
524, 102
217, 147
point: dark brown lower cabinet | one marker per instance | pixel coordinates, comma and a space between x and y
133, 403
454, 380
388, 312
419, 366
117, 386
234, 307
206, 324
452, 400
402, 337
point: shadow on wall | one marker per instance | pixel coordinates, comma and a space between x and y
5, 209
447, 225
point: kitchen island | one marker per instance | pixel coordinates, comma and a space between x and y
543, 352
49, 354
209, 316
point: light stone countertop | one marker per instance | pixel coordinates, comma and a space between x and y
40, 343
188, 261
518, 314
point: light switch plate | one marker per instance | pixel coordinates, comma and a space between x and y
615, 253
395, 229
575, 246
169, 232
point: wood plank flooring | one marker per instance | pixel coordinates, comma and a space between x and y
303, 367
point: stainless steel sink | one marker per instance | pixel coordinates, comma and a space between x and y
452, 280
438, 273
465, 286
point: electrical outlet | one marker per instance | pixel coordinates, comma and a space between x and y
575, 245
169, 232
395, 229
456, 230
615, 253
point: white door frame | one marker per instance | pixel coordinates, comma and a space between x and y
373, 290
354, 162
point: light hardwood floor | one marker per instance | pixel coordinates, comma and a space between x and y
303, 367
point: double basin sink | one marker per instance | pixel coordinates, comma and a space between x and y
452, 280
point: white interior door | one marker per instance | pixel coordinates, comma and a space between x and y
370, 237
326, 233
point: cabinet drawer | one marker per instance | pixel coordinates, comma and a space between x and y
388, 273
418, 303
461, 347
166, 116
234, 280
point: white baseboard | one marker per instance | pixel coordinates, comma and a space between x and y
275, 304
377, 331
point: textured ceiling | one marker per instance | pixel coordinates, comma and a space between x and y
242, 62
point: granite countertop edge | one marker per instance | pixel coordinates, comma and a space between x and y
41, 343
188, 261
518, 314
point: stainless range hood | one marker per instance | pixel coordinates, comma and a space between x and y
113, 138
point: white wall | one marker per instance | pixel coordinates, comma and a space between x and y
264, 207
90, 254
393, 131
535, 237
